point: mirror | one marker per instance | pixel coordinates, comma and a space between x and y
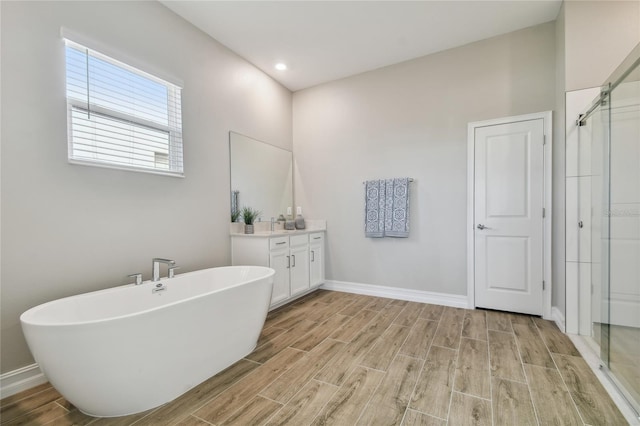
261, 176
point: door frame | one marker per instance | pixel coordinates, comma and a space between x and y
546, 116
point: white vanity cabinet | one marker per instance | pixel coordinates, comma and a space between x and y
316, 259
299, 263
298, 260
280, 260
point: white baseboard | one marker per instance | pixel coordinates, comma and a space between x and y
452, 300
21, 379
558, 318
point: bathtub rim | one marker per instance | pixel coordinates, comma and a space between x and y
31, 311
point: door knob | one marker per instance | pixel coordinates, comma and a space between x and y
481, 226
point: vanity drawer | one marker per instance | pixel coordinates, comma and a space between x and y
317, 237
299, 240
278, 243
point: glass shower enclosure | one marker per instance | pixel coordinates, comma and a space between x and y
612, 127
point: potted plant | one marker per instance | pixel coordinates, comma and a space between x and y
249, 215
236, 226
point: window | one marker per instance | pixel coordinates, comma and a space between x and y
121, 117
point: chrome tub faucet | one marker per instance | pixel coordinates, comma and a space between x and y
155, 267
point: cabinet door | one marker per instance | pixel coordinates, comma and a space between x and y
299, 269
316, 264
279, 261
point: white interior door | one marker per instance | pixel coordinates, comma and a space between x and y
508, 216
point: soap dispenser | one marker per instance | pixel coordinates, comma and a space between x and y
299, 219
289, 224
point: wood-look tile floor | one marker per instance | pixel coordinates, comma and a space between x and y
346, 359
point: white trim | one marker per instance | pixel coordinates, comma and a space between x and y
546, 116
558, 318
121, 167
453, 300
20, 380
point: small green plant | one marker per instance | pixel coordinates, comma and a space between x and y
249, 215
235, 215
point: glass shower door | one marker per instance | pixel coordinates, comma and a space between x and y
621, 243
614, 163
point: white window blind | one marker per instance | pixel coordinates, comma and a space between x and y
121, 117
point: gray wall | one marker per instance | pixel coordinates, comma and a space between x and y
599, 35
68, 229
410, 119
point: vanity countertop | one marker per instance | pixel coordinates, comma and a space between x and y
278, 233
262, 229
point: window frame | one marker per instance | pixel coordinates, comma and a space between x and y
173, 129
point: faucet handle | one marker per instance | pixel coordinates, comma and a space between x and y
172, 271
138, 278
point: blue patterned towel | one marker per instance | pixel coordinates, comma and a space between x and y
387, 208
374, 208
397, 215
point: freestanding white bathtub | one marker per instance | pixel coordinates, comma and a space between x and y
127, 349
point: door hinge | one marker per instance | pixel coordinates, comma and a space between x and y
543, 284
544, 212
544, 139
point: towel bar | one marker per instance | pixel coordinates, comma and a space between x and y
410, 180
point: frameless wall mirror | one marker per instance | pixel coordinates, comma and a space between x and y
261, 176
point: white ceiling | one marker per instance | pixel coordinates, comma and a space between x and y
322, 41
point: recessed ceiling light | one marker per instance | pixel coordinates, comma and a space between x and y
281, 66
